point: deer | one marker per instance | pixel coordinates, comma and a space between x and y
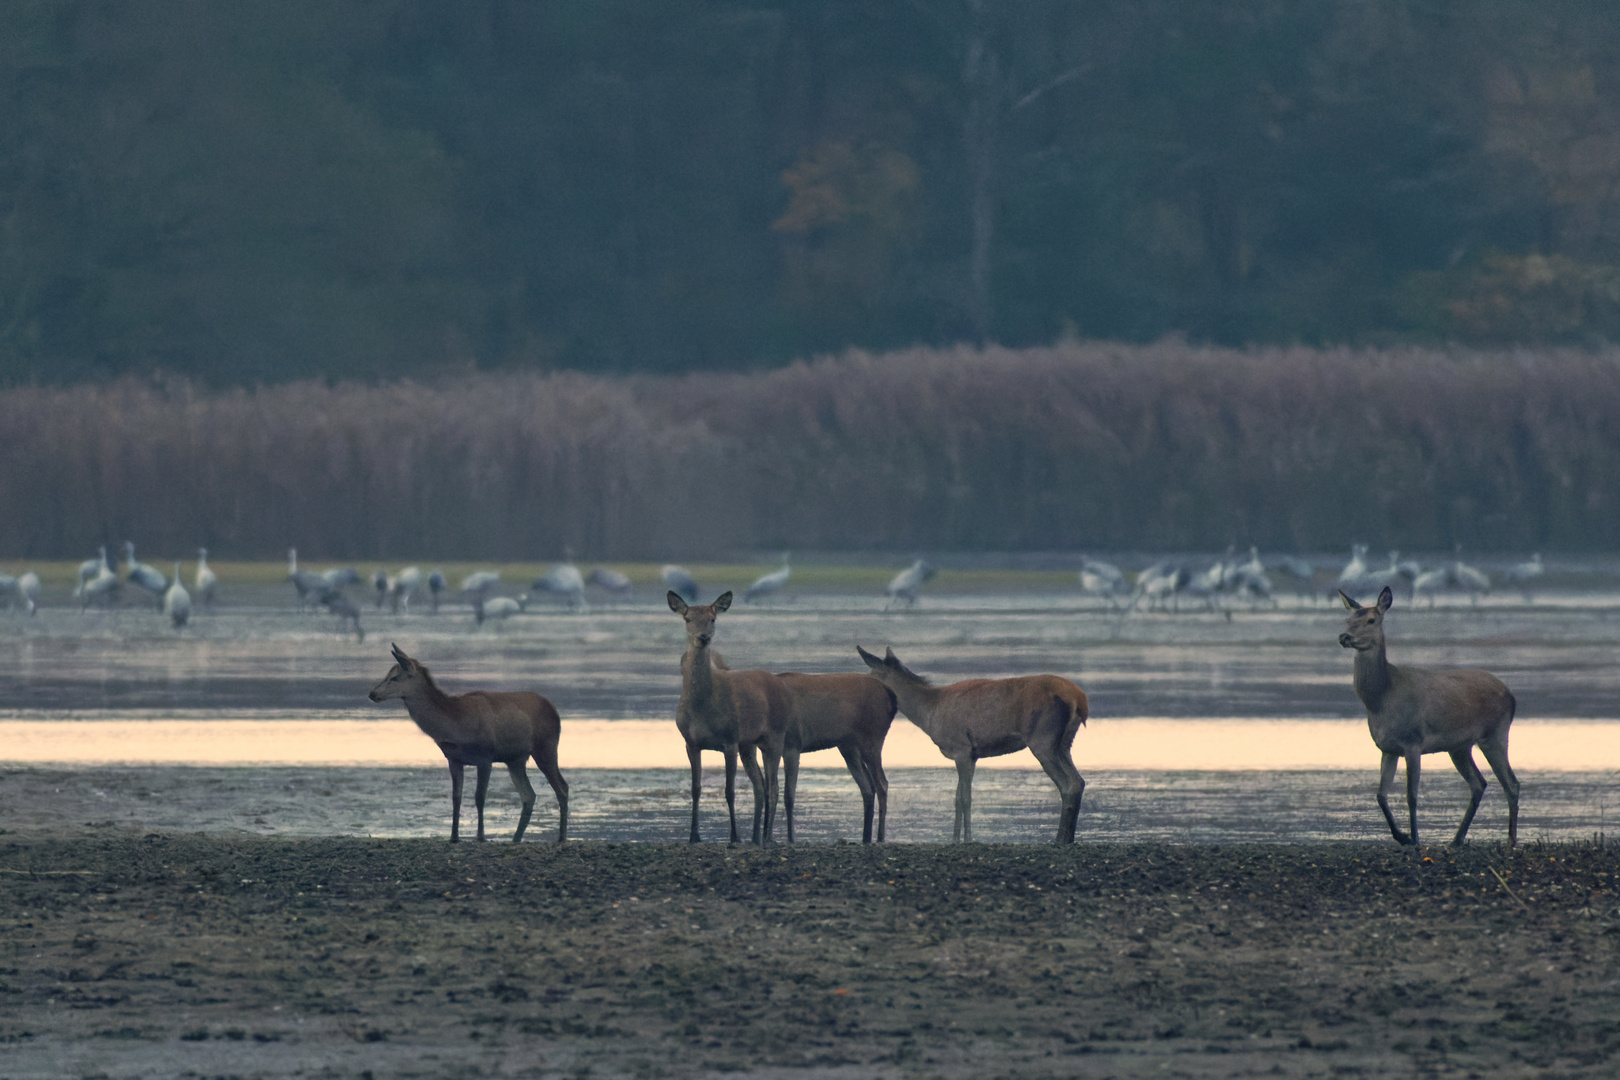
1412, 711
478, 729
980, 718
732, 712
849, 712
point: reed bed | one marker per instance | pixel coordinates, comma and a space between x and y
1079, 445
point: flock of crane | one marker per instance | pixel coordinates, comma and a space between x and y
1162, 586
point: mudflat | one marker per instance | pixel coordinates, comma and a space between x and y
166, 954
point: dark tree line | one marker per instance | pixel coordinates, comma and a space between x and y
257, 192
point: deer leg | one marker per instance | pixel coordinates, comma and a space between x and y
731, 788
1386, 781
1414, 771
756, 780
1464, 760
695, 756
773, 764
478, 796
520, 780
790, 784
455, 801
1071, 787
963, 832
863, 780
1495, 750
560, 787
872, 758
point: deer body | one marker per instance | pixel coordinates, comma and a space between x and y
981, 718
851, 713
732, 712
479, 729
1412, 711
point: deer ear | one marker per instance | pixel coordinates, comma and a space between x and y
676, 604
723, 602
889, 659
1385, 598
1349, 603
871, 661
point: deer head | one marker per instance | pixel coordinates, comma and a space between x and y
1364, 629
889, 669
699, 617
405, 675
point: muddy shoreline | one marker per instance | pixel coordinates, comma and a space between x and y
154, 954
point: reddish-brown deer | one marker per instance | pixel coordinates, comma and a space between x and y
1412, 711
732, 712
851, 713
980, 718
479, 729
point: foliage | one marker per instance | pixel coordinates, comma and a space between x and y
1161, 447
267, 192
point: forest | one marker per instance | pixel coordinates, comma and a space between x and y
257, 193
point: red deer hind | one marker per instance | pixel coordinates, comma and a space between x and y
981, 718
479, 729
1412, 711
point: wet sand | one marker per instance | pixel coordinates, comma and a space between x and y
156, 954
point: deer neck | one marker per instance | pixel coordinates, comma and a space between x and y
919, 701
432, 710
698, 676
1372, 676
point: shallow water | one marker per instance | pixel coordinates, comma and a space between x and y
1222, 676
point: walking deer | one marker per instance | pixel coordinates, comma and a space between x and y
851, 713
479, 729
980, 718
1413, 711
732, 712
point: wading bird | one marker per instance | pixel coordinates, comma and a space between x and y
769, 584
147, 577
563, 581
904, 585
1412, 711
436, 585
1525, 574
680, 581
609, 580
177, 602
206, 580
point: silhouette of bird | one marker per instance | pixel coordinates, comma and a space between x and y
1102, 579
206, 580
310, 585
498, 608
1160, 584
1353, 578
479, 582
611, 580
333, 600
402, 587
769, 584
563, 580
89, 569
436, 585
904, 585
176, 601
147, 577
1524, 574
680, 581
1469, 580
1430, 582
379, 585
104, 585
28, 590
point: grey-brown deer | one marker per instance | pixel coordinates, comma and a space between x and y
980, 718
851, 713
478, 729
732, 712
1412, 711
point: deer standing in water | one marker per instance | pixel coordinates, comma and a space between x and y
980, 718
1413, 711
851, 713
479, 729
732, 712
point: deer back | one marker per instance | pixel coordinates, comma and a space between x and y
828, 709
